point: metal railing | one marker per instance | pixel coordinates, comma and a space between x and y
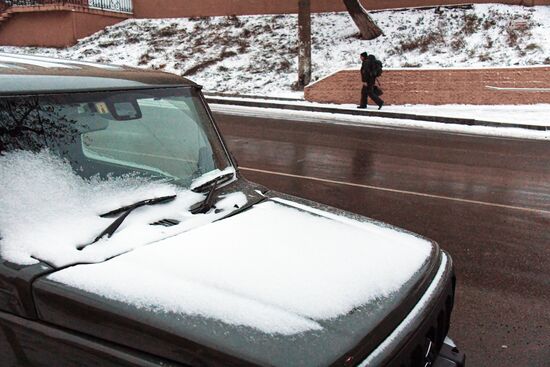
120, 6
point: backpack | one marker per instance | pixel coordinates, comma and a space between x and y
376, 66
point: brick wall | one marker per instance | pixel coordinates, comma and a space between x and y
188, 8
191, 8
54, 29
57, 26
439, 86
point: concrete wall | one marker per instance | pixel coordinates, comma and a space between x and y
52, 28
188, 8
438, 86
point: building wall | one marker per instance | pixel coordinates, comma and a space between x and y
55, 28
189, 8
438, 86
87, 24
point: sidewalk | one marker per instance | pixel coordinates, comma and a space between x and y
515, 121
532, 117
538, 114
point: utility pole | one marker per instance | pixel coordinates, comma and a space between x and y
304, 43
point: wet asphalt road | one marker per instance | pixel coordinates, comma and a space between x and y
485, 200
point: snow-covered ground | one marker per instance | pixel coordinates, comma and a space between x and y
258, 54
536, 114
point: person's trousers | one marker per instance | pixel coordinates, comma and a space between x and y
368, 91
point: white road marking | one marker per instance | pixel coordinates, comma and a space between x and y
539, 211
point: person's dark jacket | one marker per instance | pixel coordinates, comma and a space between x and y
366, 72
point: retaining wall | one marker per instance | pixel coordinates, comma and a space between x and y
57, 27
439, 86
191, 8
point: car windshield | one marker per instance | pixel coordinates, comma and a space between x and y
157, 133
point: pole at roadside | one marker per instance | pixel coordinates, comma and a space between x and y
304, 43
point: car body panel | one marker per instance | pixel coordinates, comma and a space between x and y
26, 342
34, 75
182, 337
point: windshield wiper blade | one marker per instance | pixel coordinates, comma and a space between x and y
207, 204
133, 206
215, 181
126, 210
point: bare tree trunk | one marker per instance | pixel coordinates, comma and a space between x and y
304, 43
369, 30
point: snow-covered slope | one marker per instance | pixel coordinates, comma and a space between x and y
258, 54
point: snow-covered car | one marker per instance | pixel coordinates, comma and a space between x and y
128, 238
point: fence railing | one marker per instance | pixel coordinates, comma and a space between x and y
120, 6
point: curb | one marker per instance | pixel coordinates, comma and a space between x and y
394, 115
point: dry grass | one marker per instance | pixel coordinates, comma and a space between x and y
411, 65
532, 47
484, 57
471, 24
145, 59
108, 44
422, 43
489, 23
206, 63
166, 32
457, 43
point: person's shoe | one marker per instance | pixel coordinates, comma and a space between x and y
380, 105
362, 107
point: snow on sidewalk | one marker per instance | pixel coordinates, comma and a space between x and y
355, 120
535, 114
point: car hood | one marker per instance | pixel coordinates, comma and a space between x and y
282, 283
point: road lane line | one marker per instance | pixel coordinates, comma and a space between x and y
539, 211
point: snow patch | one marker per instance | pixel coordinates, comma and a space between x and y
47, 211
350, 120
275, 268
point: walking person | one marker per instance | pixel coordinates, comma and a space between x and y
369, 73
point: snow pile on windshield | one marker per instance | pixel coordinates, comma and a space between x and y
47, 211
278, 267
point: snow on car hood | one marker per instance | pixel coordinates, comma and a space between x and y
47, 211
279, 267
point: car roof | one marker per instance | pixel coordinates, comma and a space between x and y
26, 74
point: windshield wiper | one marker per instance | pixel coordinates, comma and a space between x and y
126, 210
215, 180
207, 204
